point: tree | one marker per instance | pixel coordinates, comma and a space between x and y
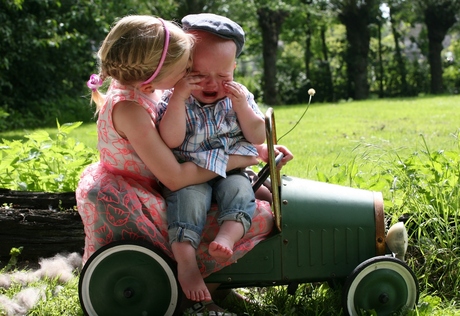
270, 22
326, 19
357, 15
439, 16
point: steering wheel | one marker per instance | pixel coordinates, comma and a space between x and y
264, 173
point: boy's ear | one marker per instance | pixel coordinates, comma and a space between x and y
234, 66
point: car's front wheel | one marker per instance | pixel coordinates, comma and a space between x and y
381, 284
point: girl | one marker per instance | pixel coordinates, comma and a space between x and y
117, 197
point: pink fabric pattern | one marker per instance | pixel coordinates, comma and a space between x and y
117, 197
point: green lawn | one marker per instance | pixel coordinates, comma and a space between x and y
412, 142
331, 134
334, 134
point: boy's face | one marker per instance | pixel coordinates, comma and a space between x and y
215, 62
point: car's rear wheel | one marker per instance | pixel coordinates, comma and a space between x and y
126, 278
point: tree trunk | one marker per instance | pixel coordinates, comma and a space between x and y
434, 59
439, 18
44, 224
357, 16
358, 38
270, 23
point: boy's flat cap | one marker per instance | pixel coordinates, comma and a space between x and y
216, 24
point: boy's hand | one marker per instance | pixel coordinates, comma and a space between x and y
184, 87
236, 93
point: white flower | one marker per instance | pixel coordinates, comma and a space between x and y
311, 92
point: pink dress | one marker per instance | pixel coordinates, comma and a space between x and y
118, 199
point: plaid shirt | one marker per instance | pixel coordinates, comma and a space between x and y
212, 134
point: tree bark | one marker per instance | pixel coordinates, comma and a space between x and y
439, 18
358, 38
270, 23
356, 16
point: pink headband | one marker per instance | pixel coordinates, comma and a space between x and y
163, 55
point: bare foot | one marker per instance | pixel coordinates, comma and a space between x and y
189, 275
220, 252
192, 283
222, 246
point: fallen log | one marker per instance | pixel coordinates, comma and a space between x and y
44, 224
37, 200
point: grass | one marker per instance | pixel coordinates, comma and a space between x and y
335, 134
406, 148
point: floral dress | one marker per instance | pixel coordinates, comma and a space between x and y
118, 197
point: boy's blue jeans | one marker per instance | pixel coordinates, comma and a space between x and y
187, 208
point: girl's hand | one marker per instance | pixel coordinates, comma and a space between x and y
263, 154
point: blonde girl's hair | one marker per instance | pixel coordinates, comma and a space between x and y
132, 51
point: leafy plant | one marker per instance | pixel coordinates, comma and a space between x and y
14, 253
42, 163
423, 189
426, 187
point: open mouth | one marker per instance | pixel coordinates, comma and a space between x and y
209, 94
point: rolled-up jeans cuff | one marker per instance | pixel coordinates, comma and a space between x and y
181, 234
241, 217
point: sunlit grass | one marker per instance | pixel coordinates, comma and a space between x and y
334, 134
407, 148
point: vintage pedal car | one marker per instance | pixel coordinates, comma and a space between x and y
323, 232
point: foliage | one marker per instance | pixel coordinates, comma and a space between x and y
46, 49
292, 85
48, 52
425, 193
63, 108
426, 187
451, 75
44, 164
14, 253
3, 121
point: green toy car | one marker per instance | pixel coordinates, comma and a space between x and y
323, 233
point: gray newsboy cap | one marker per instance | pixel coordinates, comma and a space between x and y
216, 24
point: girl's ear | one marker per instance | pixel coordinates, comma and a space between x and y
147, 88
